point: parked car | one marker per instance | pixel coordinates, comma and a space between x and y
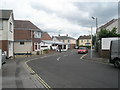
82, 50
3, 57
76, 47
115, 53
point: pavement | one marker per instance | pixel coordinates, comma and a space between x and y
96, 57
15, 73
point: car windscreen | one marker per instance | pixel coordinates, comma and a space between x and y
82, 48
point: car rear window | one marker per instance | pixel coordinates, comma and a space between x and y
82, 48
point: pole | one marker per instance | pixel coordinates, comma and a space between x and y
91, 41
96, 34
0, 59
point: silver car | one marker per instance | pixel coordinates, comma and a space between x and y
3, 57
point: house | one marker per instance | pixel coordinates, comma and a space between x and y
54, 45
48, 43
45, 36
109, 25
66, 39
7, 31
27, 37
106, 41
84, 40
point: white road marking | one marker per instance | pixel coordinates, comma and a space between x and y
58, 58
83, 56
65, 55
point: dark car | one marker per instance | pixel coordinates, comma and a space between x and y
82, 50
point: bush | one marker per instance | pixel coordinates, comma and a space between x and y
46, 51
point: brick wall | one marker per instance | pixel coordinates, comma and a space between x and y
4, 45
22, 35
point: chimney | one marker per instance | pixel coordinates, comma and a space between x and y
59, 35
67, 35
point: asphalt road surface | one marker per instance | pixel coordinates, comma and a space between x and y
67, 70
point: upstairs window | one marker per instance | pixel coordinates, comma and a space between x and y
37, 34
68, 41
10, 27
1, 24
87, 40
82, 41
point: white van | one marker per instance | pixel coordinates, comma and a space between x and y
115, 53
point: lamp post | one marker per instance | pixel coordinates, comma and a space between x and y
91, 41
96, 30
96, 23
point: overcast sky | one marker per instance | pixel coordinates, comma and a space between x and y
72, 17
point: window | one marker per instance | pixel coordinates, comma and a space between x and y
1, 24
44, 46
68, 41
81, 40
10, 27
87, 40
37, 34
21, 43
54, 44
36, 46
64, 47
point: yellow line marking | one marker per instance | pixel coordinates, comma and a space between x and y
36, 75
83, 56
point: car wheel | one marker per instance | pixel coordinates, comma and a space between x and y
117, 63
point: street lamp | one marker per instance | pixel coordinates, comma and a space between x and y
96, 23
96, 30
91, 42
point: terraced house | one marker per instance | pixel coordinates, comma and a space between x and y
84, 41
27, 37
7, 31
67, 40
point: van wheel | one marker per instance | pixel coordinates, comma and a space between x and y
117, 63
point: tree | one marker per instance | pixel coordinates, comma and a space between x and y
107, 33
93, 39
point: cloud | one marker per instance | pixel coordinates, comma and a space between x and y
71, 17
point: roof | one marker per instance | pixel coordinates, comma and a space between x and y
64, 38
5, 14
84, 37
25, 25
107, 24
46, 36
54, 42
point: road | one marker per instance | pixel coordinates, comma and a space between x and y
68, 70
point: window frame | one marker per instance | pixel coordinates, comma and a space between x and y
22, 43
10, 27
1, 26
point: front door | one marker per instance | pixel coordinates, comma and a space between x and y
10, 52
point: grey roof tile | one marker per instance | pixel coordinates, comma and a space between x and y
5, 14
